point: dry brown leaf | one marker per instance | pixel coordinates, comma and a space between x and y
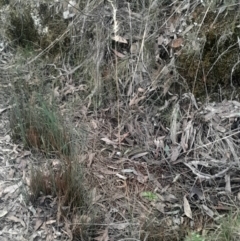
187, 29
217, 127
228, 188
95, 199
109, 142
175, 152
161, 40
6, 139
156, 182
160, 207
56, 163
192, 138
4, 109
176, 43
176, 178
170, 198
172, 28
94, 124
51, 221
167, 84
129, 170
139, 155
232, 149
12, 189
11, 173
164, 189
159, 142
120, 226
141, 90
3, 213
187, 208
187, 133
118, 54
90, 158
70, 89
119, 39
121, 137
174, 126
184, 144
141, 178
135, 100
130, 89
16, 220
208, 211
107, 172
238, 197
68, 15
209, 116
84, 219
121, 176
55, 92
103, 235
38, 224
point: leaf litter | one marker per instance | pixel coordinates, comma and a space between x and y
178, 147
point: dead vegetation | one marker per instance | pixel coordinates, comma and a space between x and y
116, 100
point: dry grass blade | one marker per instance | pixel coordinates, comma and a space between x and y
174, 123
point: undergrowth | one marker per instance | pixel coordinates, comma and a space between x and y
122, 76
39, 126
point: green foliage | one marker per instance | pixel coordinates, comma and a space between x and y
4, 2
193, 236
149, 196
37, 124
228, 229
213, 63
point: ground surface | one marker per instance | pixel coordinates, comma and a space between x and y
157, 164
19, 219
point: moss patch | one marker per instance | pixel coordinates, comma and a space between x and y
215, 65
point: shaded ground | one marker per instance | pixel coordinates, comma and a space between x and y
146, 184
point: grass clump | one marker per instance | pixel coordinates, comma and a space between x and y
64, 182
39, 127
227, 229
60, 178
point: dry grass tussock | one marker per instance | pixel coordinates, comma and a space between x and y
129, 149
